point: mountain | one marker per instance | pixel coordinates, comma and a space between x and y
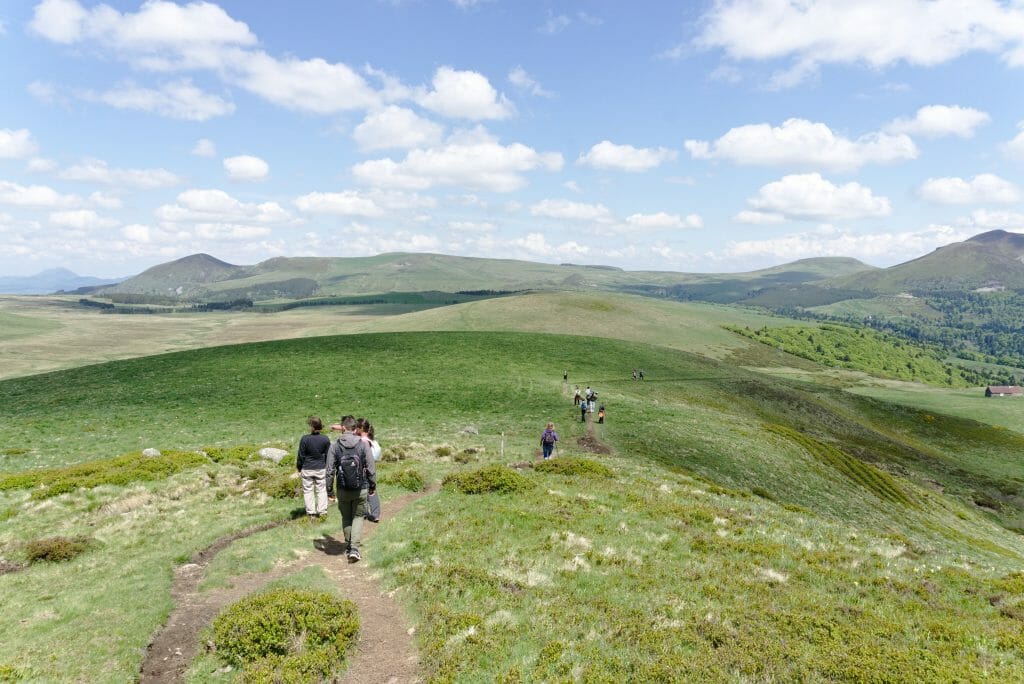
990, 260
204, 278
50, 281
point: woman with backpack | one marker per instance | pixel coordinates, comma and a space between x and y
547, 440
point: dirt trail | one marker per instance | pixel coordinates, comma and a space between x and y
385, 652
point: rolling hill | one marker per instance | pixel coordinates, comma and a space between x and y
50, 281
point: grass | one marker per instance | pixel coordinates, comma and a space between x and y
649, 574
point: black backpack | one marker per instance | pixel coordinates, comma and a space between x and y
350, 469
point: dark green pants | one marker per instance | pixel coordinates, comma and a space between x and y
352, 505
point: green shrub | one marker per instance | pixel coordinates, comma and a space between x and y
762, 492
465, 456
240, 453
494, 478
574, 466
444, 450
394, 453
278, 485
55, 549
287, 635
406, 478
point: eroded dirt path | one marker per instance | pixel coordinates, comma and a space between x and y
385, 652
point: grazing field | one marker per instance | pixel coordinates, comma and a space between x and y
1003, 412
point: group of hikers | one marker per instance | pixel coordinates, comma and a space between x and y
344, 470
587, 402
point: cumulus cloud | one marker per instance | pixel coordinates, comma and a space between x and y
349, 203
799, 142
986, 219
522, 80
608, 155
878, 33
812, 198
983, 188
663, 220
758, 218
936, 121
555, 23
1014, 149
176, 100
98, 171
472, 160
575, 211
204, 148
38, 196
81, 219
41, 165
465, 95
884, 248
396, 127
16, 144
246, 167
218, 207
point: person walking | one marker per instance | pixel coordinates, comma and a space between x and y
365, 431
547, 440
357, 480
600, 414
311, 462
634, 373
583, 411
565, 376
641, 371
577, 398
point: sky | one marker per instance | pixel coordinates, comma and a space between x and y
703, 136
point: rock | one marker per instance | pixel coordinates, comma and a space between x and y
151, 452
470, 430
272, 454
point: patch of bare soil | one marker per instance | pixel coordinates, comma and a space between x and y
7, 566
592, 444
384, 653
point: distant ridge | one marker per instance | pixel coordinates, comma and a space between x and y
992, 260
180, 278
50, 281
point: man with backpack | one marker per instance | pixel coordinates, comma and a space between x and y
547, 440
356, 478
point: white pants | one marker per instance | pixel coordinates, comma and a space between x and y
314, 490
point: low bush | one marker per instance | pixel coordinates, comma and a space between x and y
444, 450
55, 549
406, 478
762, 492
574, 466
240, 453
395, 453
465, 456
494, 478
287, 635
277, 485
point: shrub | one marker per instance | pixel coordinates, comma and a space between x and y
278, 485
240, 453
495, 478
465, 456
394, 453
573, 466
406, 478
286, 635
444, 450
762, 492
55, 549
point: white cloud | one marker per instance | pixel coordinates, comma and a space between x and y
230, 231
349, 203
758, 218
98, 171
469, 159
811, 197
42, 196
218, 207
608, 155
104, 201
1014, 149
16, 144
522, 80
576, 211
799, 142
396, 128
990, 220
204, 148
176, 100
662, 220
884, 247
41, 165
471, 226
465, 95
555, 23
157, 26
878, 33
573, 186
935, 121
985, 187
246, 167
81, 219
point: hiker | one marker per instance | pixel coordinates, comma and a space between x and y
583, 411
592, 404
365, 431
588, 392
576, 399
547, 440
311, 462
641, 373
634, 373
565, 376
600, 414
356, 475
331, 466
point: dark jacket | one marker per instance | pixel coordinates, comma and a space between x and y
351, 440
312, 452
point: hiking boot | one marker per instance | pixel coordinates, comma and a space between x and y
353, 556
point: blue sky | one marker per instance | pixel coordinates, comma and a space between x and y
700, 136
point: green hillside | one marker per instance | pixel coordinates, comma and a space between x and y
869, 537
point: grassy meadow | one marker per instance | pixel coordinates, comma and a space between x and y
753, 528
